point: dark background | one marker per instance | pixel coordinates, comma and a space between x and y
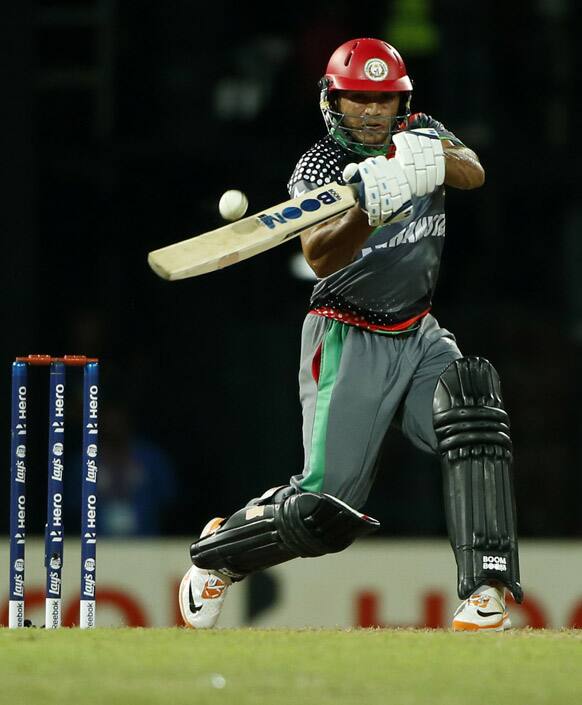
122, 124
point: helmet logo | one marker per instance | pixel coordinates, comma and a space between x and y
376, 69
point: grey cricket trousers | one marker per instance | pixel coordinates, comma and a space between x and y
353, 385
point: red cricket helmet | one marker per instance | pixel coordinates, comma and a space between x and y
366, 65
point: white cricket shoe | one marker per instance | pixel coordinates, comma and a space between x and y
483, 611
201, 594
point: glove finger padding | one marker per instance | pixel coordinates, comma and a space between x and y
350, 173
394, 190
384, 192
421, 155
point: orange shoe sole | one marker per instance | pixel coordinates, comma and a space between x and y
472, 627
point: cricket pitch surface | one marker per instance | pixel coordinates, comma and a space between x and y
272, 667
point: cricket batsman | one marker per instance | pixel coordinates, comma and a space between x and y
373, 356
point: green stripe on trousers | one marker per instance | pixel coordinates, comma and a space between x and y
331, 354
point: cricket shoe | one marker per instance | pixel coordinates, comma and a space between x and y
483, 611
202, 592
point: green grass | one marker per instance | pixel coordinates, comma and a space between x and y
400, 667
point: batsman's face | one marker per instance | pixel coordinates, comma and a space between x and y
368, 116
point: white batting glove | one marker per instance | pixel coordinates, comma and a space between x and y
421, 155
383, 189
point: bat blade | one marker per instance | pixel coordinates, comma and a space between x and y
250, 236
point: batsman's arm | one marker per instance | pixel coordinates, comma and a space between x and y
463, 169
334, 244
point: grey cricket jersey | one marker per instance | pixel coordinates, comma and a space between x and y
394, 276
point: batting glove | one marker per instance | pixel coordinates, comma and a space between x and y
383, 189
420, 154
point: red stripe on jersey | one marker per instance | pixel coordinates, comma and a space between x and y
353, 320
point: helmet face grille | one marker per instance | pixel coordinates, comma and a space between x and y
353, 138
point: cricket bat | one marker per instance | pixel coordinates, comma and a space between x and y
248, 237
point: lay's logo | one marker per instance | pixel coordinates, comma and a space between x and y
308, 205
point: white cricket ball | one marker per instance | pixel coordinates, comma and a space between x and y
233, 205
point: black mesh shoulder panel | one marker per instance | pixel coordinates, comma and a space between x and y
320, 165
